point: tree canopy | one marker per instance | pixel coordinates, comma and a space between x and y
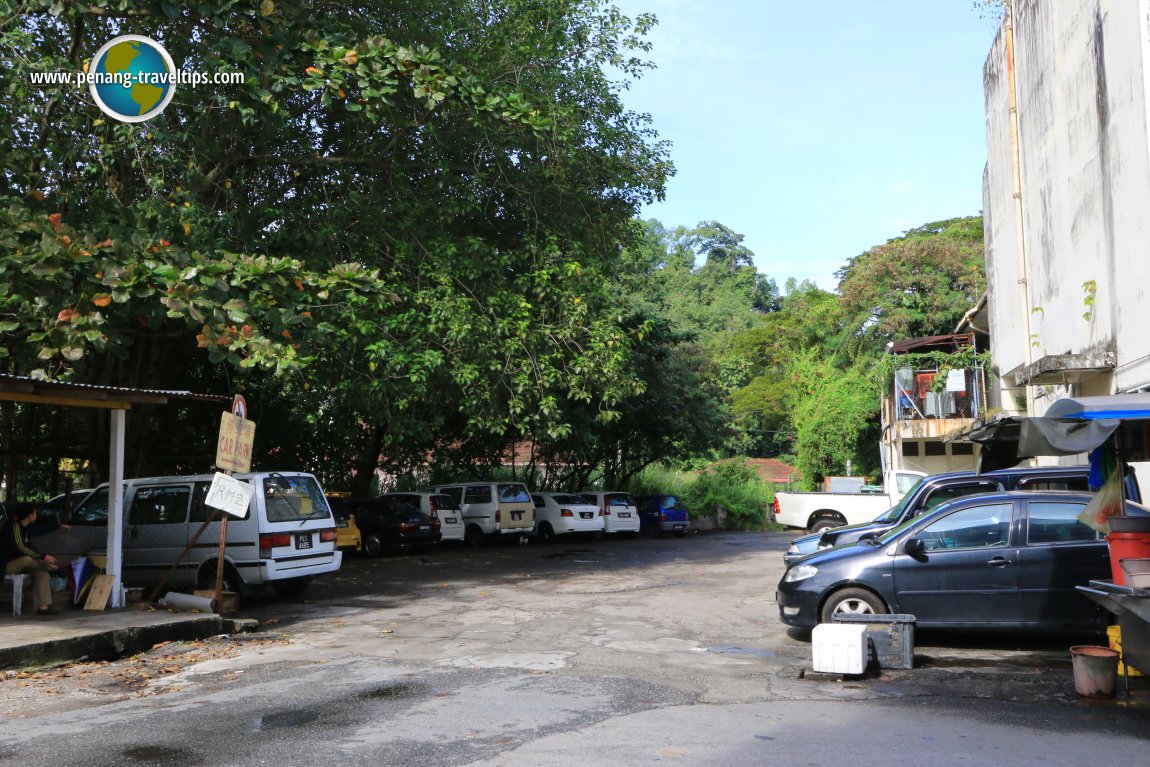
406, 213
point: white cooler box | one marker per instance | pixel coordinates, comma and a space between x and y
839, 648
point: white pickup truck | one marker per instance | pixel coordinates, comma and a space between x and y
817, 511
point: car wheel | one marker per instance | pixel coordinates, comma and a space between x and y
851, 602
373, 545
824, 523
207, 579
473, 537
546, 533
680, 533
292, 588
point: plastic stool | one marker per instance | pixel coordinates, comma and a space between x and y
17, 592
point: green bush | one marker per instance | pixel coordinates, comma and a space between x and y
734, 486
659, 480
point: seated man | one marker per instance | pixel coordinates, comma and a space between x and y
17, 555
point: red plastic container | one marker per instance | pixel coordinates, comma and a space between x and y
1126, 546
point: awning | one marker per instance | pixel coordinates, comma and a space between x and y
949, 342
1134, 407
1071, 426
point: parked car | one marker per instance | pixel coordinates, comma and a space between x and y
619, 510
820, 510
393, 523
438, 506
347, 535
937, 489
492, 509
663, 513
287, 537
565, 514
993, 561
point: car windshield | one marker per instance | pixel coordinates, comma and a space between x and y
890, 535
894, 512
571, 500
294, 499
618, 499
669, 502
93, 510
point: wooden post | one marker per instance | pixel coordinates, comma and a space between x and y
220, 560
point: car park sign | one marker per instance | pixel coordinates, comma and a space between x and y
237, 433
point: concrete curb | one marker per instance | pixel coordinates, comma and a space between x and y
109, 644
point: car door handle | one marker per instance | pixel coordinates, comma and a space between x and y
1000, 562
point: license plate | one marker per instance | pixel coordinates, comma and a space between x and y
680, 527
303, 541
450, 520
624, 515
586, 515
425, 527
341, 523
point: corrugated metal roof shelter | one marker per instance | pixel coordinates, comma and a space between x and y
118, 400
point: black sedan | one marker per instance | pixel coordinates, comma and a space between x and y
1002, 560
393, 524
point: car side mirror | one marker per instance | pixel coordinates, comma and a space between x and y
868, 536
914, 546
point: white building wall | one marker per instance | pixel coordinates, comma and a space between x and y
1081, 94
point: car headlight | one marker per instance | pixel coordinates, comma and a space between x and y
800, 573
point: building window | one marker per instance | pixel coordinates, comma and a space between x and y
934, 448
962, 448
910, 449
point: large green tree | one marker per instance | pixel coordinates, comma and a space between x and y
407, 213
915, 285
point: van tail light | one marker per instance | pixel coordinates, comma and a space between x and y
776, 508
565, 513
269, 541
328, 536
497, 516
534, 514
434, 508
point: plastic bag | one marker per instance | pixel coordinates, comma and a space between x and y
1106, 503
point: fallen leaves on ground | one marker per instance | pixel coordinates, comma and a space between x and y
68, 687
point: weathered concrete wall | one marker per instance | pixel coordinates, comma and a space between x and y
1081, 95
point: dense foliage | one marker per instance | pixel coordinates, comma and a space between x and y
394, 235
410, 237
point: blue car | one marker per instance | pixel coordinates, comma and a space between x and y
1008, 560
662, 513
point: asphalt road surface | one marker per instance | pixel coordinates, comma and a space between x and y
620, 652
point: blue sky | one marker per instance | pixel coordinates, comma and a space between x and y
817, 128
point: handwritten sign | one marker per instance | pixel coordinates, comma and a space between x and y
229, 495
234, 448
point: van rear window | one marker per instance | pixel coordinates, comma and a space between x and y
294, 499
515, 493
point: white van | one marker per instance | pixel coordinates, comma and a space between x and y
492, 509
287, 537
